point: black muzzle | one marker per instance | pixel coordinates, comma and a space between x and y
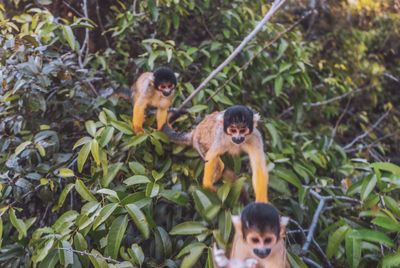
262, 252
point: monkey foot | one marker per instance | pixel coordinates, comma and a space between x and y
211, 188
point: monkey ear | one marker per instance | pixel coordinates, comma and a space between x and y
176, 75
256, 118
283, 222
237, 223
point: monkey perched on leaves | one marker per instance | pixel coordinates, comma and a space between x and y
258, 240
153, 89
231, 131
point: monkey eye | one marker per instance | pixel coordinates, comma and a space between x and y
243, 131
267, 240
232, 130
163, 86
255, 240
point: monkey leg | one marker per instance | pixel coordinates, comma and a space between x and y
138, 117
161, 117
209, 172
219, 169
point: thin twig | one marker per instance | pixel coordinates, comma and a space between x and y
72, 8
313, 225
311, 262
333, 133
85, 44
267, 45
275, 6
85, 253
362, 136
372, 144
103, 30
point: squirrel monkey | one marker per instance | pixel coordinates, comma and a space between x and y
154, 89
258, 240
231, 131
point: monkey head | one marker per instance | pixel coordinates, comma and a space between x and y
260, 227
164, 80
239, 121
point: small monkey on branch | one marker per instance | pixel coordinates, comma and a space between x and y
258, 240
231, 131
154, 89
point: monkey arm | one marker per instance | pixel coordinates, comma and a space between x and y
258, 167
212, 159
138, 116
162, 115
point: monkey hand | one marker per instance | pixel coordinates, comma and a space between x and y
138, 129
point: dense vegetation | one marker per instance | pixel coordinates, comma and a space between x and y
79, 189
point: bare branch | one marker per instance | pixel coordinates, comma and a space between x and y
313, 225
333, 133
275, 6
362, 136
85, 253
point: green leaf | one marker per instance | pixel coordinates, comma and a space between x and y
83, 191
278, 85
82, 141
367, 186
137, 140
137, 254
387, 223
391, 260
104, 214
65, 173
122, 126
66, 255
274, 134
335, 240
386, 166
136, 179
106, 136
63, 196
91, 128
44, 251
137, 168
69, 36
65, 221
375, 236
139, 219
115, 235
112, 172
188, 228
22, 147
162, 242
353, 248
392, 204
108, 192
195, 250
82, 156
1, 231
288, 176
175, 196
94, 148
18, 224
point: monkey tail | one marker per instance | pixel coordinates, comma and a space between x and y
123, 93
184, 138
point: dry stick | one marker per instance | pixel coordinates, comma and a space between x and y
91, 255
275, 6
318, 211
244, 66
362, 136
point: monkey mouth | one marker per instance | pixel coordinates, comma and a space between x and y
166, 94
237, 140
262, 253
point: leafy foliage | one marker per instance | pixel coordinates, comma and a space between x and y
78, 188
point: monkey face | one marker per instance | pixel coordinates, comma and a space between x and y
166, 88
238, 132
261, 244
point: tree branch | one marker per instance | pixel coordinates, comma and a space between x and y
362, 136
85, 253
275, 6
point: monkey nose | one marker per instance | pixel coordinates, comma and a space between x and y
238, 140
262, 252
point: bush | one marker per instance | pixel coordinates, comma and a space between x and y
78, 188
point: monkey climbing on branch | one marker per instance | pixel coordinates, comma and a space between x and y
258, 240
154, 89
231, 131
